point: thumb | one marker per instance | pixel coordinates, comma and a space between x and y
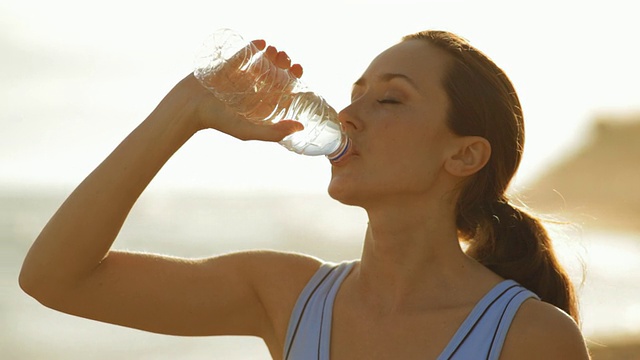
266, 131
281, 129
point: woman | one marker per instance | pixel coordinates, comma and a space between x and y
437, 135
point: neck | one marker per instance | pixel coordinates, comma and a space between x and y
411, 249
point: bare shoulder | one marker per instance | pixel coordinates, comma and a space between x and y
282, 269
542, 331
274, 274
278, 278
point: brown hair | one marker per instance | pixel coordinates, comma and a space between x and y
504, 238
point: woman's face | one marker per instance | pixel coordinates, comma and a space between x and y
397, 124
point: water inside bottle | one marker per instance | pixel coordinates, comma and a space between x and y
322, 133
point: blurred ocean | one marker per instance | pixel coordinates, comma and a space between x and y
196, 226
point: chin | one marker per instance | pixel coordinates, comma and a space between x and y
344, 193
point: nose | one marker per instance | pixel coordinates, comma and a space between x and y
349, 118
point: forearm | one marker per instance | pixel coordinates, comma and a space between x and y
81, 232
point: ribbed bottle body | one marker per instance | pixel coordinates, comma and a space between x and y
239, 74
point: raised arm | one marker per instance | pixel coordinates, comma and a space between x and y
71, 266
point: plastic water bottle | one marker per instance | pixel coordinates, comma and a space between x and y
239, 74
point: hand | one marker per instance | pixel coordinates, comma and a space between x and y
212, 113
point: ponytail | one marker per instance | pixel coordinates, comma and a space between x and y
515, 245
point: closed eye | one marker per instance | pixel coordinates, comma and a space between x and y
388, 101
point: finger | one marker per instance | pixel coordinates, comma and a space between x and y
282, 60
267, 131
283, 128
271, 53
260, 44
278, 131
287, 127
296, 70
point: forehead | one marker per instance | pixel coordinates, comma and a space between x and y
424, 63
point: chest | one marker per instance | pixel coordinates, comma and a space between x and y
361, 334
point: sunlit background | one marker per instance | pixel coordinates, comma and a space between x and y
77, 76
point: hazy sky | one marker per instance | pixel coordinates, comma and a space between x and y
77, 76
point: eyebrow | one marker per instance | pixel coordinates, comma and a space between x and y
386, 77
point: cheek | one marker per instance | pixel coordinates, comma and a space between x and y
416, 160
413, 173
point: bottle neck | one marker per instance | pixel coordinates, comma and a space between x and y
342, 149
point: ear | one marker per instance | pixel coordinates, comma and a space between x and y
470, 155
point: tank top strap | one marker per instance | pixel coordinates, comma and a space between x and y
505, 321
309, 330
482, 334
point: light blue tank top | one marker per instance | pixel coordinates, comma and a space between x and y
480, 336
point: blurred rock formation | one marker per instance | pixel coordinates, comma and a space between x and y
599, 184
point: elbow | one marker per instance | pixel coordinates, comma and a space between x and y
28, 281
36, 284
40, 290
48, 284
